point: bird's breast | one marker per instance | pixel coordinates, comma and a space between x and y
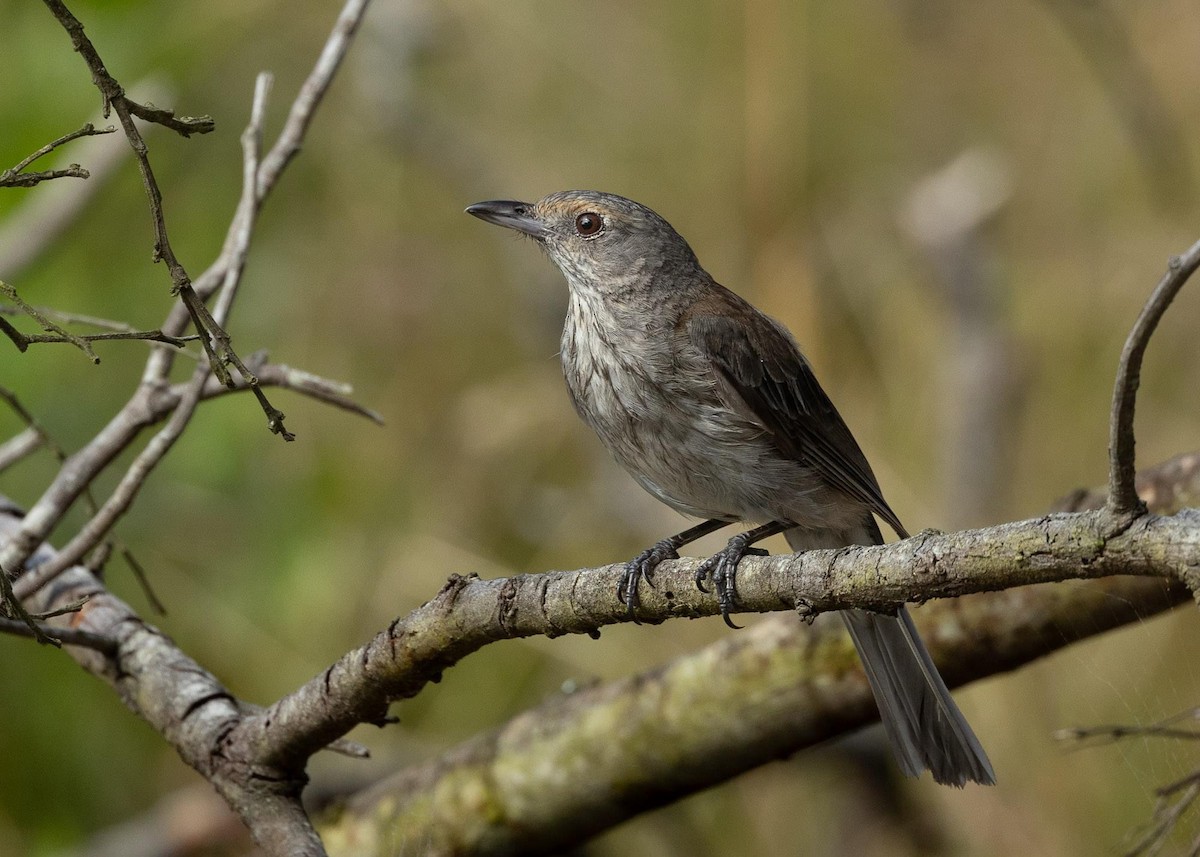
659, 414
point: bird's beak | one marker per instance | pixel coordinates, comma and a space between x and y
510, 213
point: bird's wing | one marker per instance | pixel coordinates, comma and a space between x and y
761, 374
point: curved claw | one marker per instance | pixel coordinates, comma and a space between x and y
642, 568
723, 569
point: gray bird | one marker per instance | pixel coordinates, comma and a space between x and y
711, 407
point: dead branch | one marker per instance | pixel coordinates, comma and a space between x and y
17, 177
1122, 492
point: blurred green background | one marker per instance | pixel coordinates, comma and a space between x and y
967, 325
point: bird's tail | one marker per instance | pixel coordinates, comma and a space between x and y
923, 724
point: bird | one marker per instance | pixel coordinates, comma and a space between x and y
712, 408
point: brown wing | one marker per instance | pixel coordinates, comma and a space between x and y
762, 373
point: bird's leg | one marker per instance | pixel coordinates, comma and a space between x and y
723, 566
643, 565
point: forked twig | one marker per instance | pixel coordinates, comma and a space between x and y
17, 177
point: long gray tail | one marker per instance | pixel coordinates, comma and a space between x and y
924, 726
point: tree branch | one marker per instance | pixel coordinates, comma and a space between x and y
268, 173
153, 407
181, 700
470, 613
581, 764
256, 760
17, 177
1122, 493
751, 698
146, 406
214, 338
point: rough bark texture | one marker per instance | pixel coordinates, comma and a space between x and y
554, 775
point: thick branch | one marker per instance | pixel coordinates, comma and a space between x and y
470, 613
554, 775
258, 766
580, 764
181, 700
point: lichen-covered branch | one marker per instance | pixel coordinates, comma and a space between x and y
470, 613
581, 764
554, 776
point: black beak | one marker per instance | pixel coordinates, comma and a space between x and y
510, 213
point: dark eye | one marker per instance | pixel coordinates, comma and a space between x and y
588, 224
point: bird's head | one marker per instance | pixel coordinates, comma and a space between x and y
600, 241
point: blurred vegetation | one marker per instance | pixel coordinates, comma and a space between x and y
784, 140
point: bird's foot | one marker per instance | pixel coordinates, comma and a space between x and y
722, 568
642, 568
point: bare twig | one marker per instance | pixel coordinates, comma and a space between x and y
1165, 728
17, 177
149, 406
74, 171
1175, 798
311, 93
185, 126
38, 221
19, 446
22, 341
56, 635
127, 489
139, 575
269, 171
1173, 801
11, 605
214, 338
1123, 499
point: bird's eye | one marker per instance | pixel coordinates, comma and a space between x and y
589, 224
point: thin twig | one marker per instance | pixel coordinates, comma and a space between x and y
74, 607
214, 338
11, 605
22, 341
247, 211
55, 635
1167, 812
185, 126
286, 146
74, 171
23, 444
1165, 728
146, 335
123, 495
16, 177
150, 405
143, 580
1122, 492
38, 221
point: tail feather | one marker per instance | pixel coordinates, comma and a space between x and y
924, 725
